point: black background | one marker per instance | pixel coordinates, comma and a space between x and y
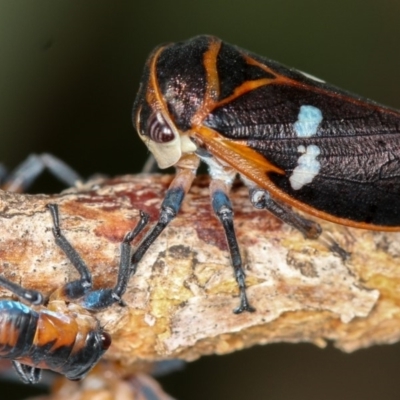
69, 72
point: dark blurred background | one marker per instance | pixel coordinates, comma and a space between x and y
69, 72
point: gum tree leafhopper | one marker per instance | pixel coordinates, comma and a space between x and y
295, 141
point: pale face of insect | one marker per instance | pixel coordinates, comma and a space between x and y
168, 97
163, 139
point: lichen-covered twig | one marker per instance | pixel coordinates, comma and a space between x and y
179, 304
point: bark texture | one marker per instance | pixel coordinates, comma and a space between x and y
180, 302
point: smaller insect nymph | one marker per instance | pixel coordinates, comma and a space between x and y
61, 334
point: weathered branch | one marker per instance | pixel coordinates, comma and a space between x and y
180, 302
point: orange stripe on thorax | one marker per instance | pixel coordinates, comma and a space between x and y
212, 82
154, 96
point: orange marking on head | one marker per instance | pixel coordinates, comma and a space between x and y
154, 95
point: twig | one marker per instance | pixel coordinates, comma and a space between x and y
180, 302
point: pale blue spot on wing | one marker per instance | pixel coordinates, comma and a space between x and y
307, 167
308, 121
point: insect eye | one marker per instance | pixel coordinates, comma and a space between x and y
158, 129
105, 340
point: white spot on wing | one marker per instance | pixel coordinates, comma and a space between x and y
314, 78
308, 121
307, 167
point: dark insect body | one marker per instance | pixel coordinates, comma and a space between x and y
61, 334
294, 140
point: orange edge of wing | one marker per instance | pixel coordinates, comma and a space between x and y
255, 167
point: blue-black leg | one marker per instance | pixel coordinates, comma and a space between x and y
170, 206
125, 260
79, 287
169, 209
310, 229
28, 374
261, 199
103, 298
223, 209
31, 296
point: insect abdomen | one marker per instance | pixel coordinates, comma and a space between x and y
68, 344
17, 329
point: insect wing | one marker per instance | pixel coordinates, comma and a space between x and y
339, 153
315, 147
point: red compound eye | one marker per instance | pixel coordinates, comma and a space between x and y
106, 340
159, 130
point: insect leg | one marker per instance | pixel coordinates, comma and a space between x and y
25, 174
262, 200
310, 229
79, 287
169, 208
223, 209
125, 263
60, 169
31, 296
103, 298
98, 299
28, 374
